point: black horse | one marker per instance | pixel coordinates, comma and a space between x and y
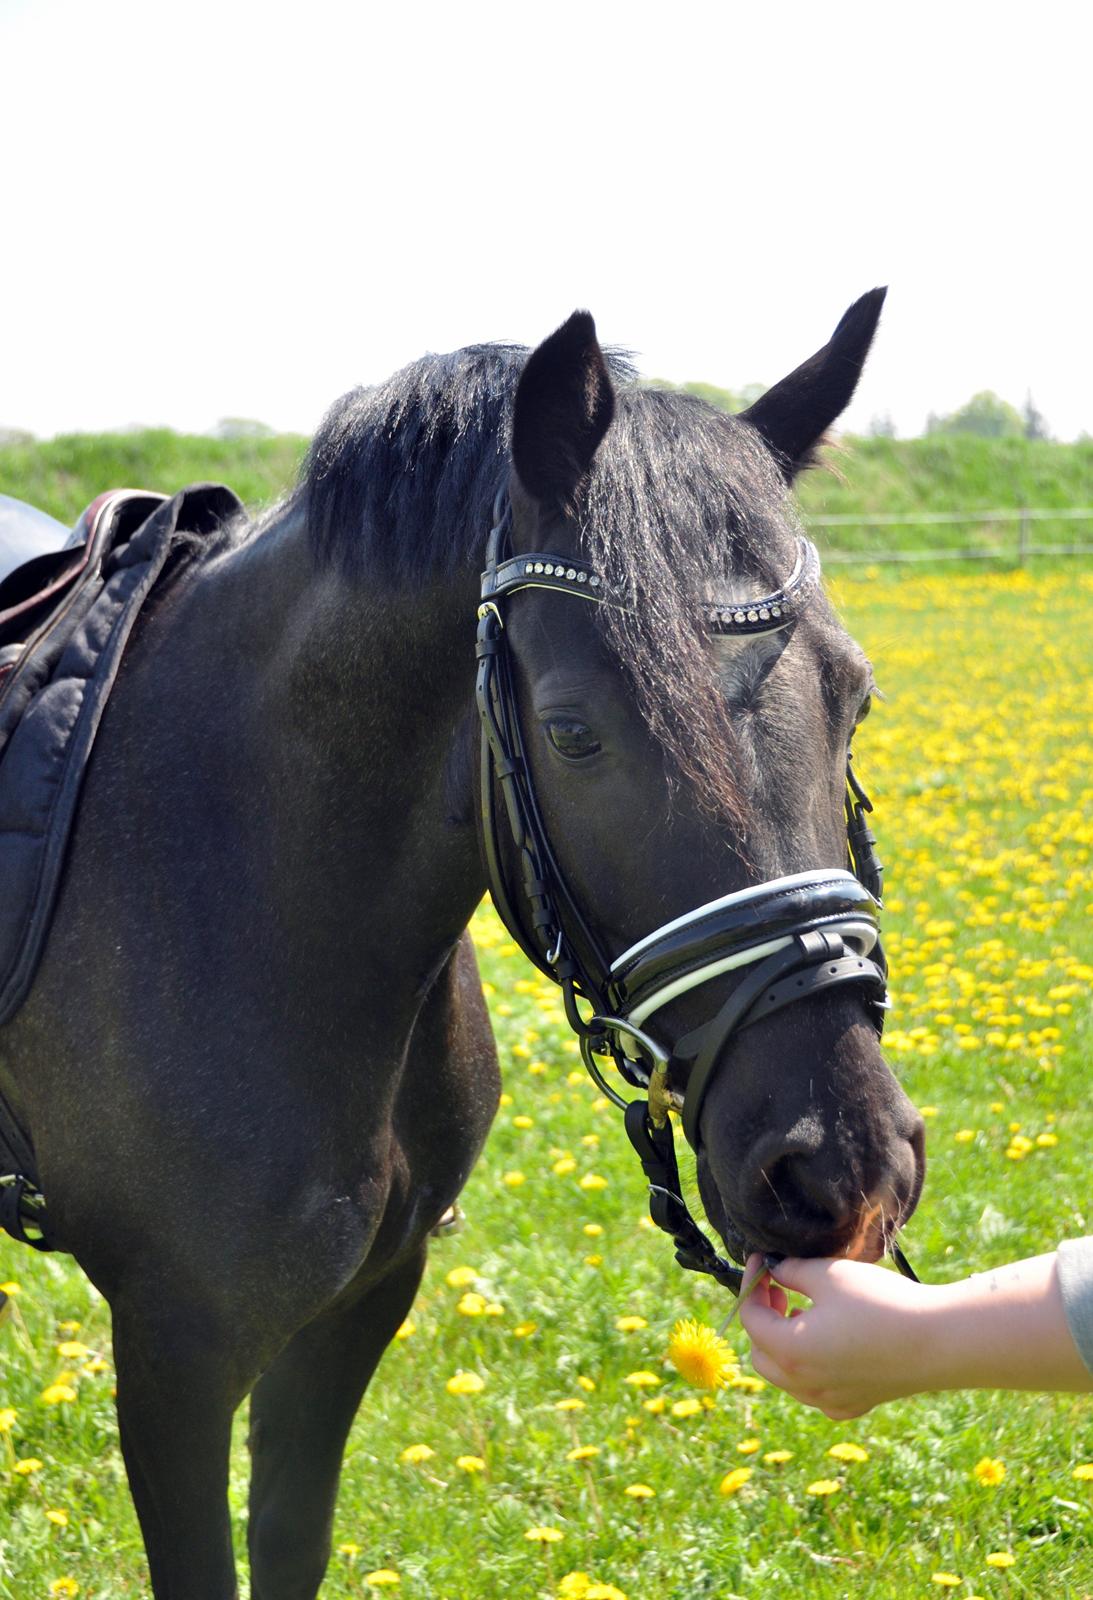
256, 1065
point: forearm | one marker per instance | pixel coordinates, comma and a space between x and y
1003, 1329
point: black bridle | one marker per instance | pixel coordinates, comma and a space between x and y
789, 938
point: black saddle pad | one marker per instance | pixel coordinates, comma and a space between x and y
52, 698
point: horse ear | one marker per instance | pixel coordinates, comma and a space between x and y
794, 415
564, 406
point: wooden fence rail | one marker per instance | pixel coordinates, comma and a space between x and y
1019, 549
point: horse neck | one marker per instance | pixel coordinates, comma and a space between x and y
348, 705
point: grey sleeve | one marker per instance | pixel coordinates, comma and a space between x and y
1075, 1265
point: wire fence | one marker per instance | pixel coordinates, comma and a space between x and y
990, 529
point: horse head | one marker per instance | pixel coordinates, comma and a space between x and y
671, 736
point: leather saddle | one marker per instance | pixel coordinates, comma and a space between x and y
41, 560
67, 610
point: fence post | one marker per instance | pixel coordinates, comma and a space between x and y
1022, 537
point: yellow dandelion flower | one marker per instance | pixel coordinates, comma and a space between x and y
91, 1369
1084, 1472
465, 1383
946, 1580
513, 1180
417, 1452
639, 1491
1047, 1141
586, 1384
382, 1578
592, 1180
1000, 1558
848, 1452
593, 1261
656, 1405
493, 1308
593, 1229
524, 1330
642, 1380
777, 1458
26, 1466
562, 1168
65, 1586
574, 1586
989, 1472
746, 1381
470, 1463
69, 1327
73, 1350
406, 1329
630, 1324
823, 1486
603, 1591
583, 1452
747, 1447
572, 1404
7, 1419
927, 1111
964, 1135
58, 1394
687, 1408
10, 1288
471, 1304
543, 1535
58, 1516
523, 1122
700, 1355
349, 1549
734, 1480
461, 1277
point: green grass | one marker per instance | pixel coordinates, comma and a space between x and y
980, 762
946, 473
63, 475
869, 477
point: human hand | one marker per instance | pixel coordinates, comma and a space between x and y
866, 1337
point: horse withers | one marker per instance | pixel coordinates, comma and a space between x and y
255, 1066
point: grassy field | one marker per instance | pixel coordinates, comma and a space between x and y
560, 1300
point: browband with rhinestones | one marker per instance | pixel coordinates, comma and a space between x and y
539, 571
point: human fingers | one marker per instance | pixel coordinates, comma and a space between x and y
758, 1284
767, 1327
804, 1275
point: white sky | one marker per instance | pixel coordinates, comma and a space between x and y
226, 209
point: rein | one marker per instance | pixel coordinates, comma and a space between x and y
788, 938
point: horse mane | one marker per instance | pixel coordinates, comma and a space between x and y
682, 503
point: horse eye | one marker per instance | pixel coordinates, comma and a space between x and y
571, 738
863, 710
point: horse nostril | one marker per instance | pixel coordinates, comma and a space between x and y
801, 1192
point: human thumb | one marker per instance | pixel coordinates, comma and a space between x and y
804, 1275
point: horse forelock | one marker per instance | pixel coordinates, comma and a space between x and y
684, 505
